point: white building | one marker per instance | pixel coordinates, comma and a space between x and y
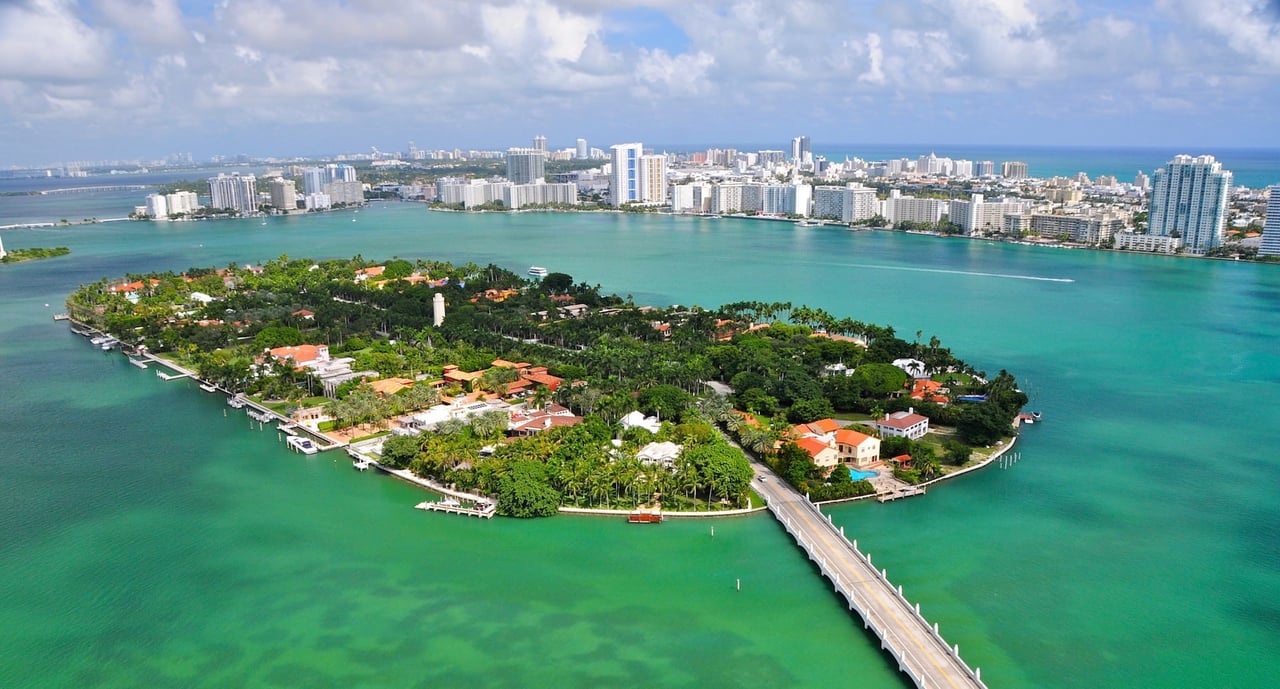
1189, 200
158, 206
1147, 242
318, 201
849, 203
903, 424
1271, 230
624, 186
980, 215
516, 196
582, 152
181, 202
653, 179
899, 208
234, 192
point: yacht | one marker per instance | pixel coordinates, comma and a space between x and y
538, 271
303, 445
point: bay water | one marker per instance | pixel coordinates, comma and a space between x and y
149, 539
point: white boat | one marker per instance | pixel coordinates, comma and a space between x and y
361, 464
208, 388
303, 445
236, 402
538, 271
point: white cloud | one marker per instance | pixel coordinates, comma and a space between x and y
44, 39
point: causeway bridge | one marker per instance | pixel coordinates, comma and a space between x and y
919, 649
101, 187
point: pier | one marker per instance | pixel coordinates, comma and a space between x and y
481, 510
917, 646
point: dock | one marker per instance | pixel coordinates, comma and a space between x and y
171, 376
916, 646
908, 492
482, 510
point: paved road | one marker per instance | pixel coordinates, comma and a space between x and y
920, 651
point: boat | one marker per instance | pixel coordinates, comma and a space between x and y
109, 344
236, 402
303, 445
538, 271
361, 464
644, 518
207, 387
807, 223
100, 339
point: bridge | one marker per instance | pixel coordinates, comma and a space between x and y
915, 644
104, 187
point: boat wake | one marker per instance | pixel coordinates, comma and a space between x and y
1008, 276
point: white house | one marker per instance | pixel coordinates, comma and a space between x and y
664, 453
903, 424
914, 367
637, 420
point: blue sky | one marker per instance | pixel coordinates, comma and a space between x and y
119, 79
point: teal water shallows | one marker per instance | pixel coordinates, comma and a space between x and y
149, 541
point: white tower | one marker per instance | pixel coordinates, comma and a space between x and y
3, 253
437, 309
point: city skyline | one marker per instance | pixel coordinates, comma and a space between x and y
119, 78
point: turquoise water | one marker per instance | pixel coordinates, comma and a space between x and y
859, 475
149, 541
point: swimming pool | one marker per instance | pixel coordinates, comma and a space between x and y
856, 475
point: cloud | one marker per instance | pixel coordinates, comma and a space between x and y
493, 69
44, 39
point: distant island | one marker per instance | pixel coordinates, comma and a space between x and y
32, 254
541, 393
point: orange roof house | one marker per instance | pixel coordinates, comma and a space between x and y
302, 355
371, 272
390, 386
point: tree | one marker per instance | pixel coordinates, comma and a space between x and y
278, 336
879, 380
524, 491
957, 453
399, 451
666, 401
557, 283
808, 410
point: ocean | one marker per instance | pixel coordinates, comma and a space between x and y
151, 540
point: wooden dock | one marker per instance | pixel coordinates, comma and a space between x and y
915, 645
908, 492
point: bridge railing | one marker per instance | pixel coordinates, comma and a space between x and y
867, 617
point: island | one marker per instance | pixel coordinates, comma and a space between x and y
543, 394
31, 254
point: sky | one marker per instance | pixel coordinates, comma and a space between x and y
123, 79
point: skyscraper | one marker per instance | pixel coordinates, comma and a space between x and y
1013, 169
284, 195
1271, 231
801, 152
313, 180
1189, 200
624, 183
540, 143
525, 165
582, 151
236, 192
653, 179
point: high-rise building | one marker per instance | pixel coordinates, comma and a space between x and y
984, 168
284, 194
1271, 230
801, 153
526, 165
582, 151
158, 207
540, 143
1013, 169
1141, 181
624, 184
313, 180
182, 202
1189, 200
653, 179
849, 203
235, 192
